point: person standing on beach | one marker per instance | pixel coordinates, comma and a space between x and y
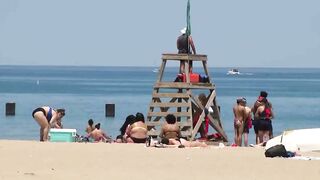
255, 122
47, 117
264, 113
239, 112
247, 125
184, 42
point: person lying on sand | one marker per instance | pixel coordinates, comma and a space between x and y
181, 143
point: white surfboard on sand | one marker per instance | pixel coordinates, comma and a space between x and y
301, 139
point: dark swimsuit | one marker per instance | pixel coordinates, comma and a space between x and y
139, 140
265, 121
48, 116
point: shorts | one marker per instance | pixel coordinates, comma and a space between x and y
264, 125
255, 124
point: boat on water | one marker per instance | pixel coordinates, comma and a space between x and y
233, 72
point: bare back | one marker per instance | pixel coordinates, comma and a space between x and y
170, 131
137, 130
98, 135
239, 112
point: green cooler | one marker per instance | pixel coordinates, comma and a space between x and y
62, 135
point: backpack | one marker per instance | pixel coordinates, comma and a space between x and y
276, 151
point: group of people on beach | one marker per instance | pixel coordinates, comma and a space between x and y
261, 122
133, 130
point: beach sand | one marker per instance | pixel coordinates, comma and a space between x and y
45, 160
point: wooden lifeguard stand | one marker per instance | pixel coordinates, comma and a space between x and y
177, 98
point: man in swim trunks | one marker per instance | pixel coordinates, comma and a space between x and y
47, 117
247, 125
185, 45
239, 112
137, 131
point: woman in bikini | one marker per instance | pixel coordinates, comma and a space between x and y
137, 131
47, 117
239, 112
171, 130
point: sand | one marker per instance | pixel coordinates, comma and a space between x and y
45, 160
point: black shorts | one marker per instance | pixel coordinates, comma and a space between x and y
255, 124
37, 110
264, 125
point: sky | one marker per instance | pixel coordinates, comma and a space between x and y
233, 33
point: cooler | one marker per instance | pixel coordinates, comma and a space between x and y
62, 135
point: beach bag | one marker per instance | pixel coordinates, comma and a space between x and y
276, 151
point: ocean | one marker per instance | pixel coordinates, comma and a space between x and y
84, 91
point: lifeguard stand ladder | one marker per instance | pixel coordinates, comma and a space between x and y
177, 98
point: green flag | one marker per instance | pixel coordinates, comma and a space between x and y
188, 32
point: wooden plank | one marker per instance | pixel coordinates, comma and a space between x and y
160, 123
204, 63
170, 95
164, 114
160, 104
212, 122
193, 57
161, 70
182, 85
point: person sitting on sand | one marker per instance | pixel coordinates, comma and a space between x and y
129, 120
98, 135
239, 112
90, 126
170, 129
47, 117
137, 131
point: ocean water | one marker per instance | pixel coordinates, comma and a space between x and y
84, 91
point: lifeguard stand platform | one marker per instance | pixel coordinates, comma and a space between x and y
178, 98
